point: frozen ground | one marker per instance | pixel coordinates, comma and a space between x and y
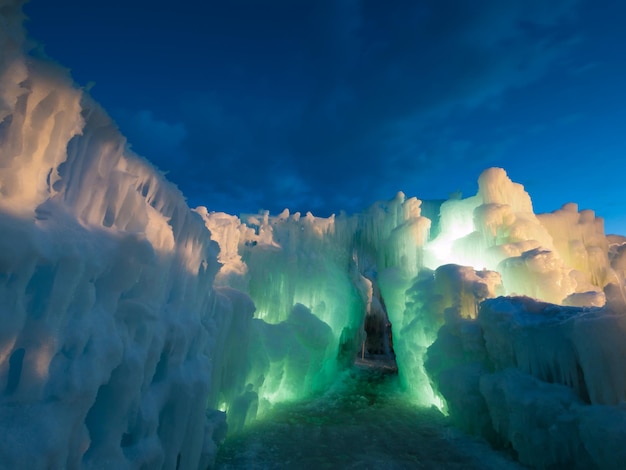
363, 422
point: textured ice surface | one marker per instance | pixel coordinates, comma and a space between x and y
110, 326
539, 378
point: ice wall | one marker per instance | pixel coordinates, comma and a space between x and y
541, 379
346, 271
114, 348
297, 274
545, 380
561, 257
327, 267
333, 266
451, 291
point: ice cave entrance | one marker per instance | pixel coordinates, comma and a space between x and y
377, 348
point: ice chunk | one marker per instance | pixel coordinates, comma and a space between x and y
579, 239
539, 420
549, 377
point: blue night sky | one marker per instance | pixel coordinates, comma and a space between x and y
324, 105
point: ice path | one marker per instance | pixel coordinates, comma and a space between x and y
363, 422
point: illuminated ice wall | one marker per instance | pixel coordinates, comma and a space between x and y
504, 368
313, 282
337, 268
112, 340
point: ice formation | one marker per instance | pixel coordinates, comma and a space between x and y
545, 380
132, 325
111, 330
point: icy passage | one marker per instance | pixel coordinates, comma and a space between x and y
362, 422
134, 330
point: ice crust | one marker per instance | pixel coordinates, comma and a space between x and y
133, 327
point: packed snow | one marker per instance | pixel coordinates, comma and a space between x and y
137, 332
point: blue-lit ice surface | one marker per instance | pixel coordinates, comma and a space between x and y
139, 333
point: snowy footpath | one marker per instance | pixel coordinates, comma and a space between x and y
363, 422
